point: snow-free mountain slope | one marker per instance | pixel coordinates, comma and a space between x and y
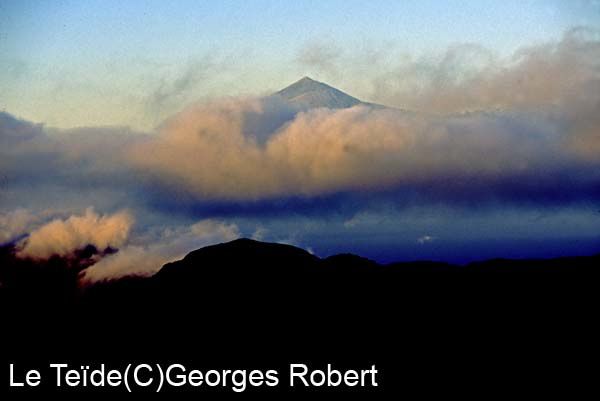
307, 94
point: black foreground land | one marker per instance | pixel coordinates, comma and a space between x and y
503, 326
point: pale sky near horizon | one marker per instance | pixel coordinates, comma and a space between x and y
86, 63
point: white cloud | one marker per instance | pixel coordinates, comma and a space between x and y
16, 223
425, 239
260, 233
63, 237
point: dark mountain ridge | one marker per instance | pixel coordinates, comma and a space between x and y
245, 303
251, 274
244, 262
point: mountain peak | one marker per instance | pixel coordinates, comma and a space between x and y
307, 93
306, 78
304, 85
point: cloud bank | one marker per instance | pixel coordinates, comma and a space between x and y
63, 237
141, 254
468, 77
328, 151
539, 125
16, 223
536, 130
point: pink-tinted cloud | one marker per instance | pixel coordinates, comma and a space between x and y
63, 237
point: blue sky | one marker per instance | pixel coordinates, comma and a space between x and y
78, 63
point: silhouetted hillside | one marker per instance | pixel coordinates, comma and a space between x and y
243, 258
257, 304
253, 271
